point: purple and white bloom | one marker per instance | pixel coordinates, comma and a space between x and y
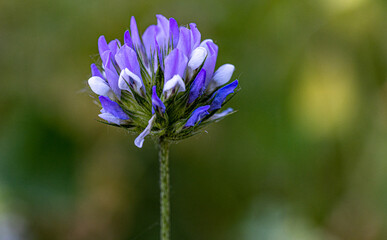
162, 82
111, 111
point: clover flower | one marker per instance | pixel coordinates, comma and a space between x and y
163, 83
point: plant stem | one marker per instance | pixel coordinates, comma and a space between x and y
164, 190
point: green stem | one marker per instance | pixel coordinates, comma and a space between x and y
164, 190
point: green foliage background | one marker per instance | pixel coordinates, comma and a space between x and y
305, 157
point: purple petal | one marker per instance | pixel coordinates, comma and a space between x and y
173, 32
195, 36
175, 64
114, 45
134, 31
161, 57
111, 74
102, 48
148, 38
198, 86
161, 38
163, 25
95, 71
221, 95
197, 115
209, 64
126, 57
102, 45
157, 104
113, 108
128, 39
184, 44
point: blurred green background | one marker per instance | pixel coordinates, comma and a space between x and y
305, 158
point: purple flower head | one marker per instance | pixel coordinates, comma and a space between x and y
171, 59
197, 116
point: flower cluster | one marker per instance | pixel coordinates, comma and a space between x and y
162, 84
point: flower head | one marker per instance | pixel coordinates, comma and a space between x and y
163, 83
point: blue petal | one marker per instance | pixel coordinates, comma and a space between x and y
157, 104
173, 32
184, 43
221, 95
175, 64
95, 71
128, 39
113, 108
197, 115
197, 88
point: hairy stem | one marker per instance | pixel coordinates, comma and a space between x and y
164, 190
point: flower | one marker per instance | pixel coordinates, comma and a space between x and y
162, 84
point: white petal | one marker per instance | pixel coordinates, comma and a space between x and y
140, 139
110, 118
222, 114
124, 80
221, 76
197, 58
175, 82
99, 86
204, 43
